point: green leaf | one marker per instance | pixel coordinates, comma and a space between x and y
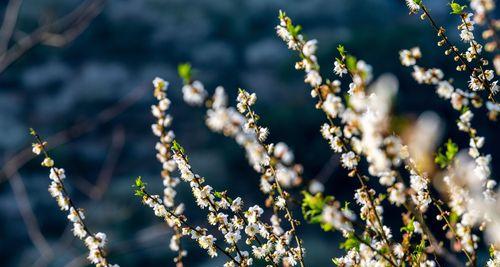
457, 9
312, 209
346, 206
351, 63
417, 252
341, 50
451, 150
444, 159
185, 72
292, 29
464, 109
350, 243
418, 2
139, 186
176, 147
281, 14
409, 228
453, 217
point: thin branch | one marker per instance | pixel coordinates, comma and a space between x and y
9, 23
328, 168
28, 216
96, 191
17, 161
56, 33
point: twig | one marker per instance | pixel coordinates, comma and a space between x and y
9, 23
29, 218
96, 191
56, 33
17, 161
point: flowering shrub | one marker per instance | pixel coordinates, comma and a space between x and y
357, 127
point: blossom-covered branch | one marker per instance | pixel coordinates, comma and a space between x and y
94, 242
163, 149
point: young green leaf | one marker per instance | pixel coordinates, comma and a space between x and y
457, 9
351, 63
341, 50
185, 72
444, 159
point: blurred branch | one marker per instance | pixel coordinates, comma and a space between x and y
56, 33
29, 218
327, 170
13, 164
9, 23
155, 237
96, 191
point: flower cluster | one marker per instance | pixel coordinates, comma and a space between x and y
205, 240
358, 129
480, 78
225, 119
461, 100
270, 175
94, 242
268, 241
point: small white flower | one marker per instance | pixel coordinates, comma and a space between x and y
413, 6
160, 84
349, 160
194, 93
444, 89
280, 202
339, 68
310, 47
333, 105
313, 78
466, 35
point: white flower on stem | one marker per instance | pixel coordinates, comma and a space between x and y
333, 105
237, 204
413, 6
232, 237
280, 203
75, 216
349, 160
79, 230
313, 78
263, 133
194, 93
466, 35
47, 162
397, 194
464, 121
251, 229
160, 84
309, 48
219, 98
409, 57
57, 174
444, 89
37, 148
339, 68
421, 196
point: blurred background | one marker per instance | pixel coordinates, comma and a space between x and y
81, 75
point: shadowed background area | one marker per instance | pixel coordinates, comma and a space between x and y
89, 91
